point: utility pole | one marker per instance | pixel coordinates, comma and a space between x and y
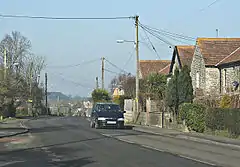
103, 72
5, 63
97, 83
46, 97
31, 89
137, 64
217, 33
58, 105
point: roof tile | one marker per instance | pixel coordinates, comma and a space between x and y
215, 50
154, 66
186, 54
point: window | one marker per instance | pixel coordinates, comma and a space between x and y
197, 80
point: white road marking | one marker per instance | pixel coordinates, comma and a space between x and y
182, 156
193, 159
153, 148
127, 141
56, 159
10, 163
107, 135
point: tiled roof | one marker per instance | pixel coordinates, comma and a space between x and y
185, 54
215, 50
233, 57
154, 66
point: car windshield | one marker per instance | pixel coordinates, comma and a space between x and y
109, 107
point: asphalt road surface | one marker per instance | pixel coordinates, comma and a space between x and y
70, 142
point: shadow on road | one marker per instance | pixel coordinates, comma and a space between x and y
52, 145
52, 128
38, 157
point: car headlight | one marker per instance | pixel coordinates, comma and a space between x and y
120, 119
101, 119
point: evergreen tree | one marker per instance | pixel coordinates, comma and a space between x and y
179, 89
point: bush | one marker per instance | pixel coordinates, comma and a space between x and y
224, 119
194, 115
215, 119
100, 95
225, 102
116, 99
20, 112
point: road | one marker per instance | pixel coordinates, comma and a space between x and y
70, 142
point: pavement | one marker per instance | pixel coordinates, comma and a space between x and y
198, 137
13, 127
69, 141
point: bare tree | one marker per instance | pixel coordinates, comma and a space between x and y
18, 84
18, 47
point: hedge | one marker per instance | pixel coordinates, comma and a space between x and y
224, 119
194, 115
199, 118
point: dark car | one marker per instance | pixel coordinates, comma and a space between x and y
107, 114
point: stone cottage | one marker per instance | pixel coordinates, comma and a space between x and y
153, 66
215, 67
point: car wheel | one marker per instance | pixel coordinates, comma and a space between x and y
92, 124
96, 126
121, 126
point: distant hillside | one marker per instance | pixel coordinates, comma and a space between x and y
55, 95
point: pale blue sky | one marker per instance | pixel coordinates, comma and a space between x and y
72, 42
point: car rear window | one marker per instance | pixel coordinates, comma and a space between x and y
108, 107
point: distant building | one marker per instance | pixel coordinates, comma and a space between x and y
118, 92
87, 104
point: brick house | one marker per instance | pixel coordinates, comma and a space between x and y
154, 66
215, 67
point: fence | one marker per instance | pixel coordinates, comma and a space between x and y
153, 115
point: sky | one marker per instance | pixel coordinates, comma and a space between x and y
73, 48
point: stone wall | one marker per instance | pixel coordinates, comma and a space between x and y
229, 74
212, 81
198, 69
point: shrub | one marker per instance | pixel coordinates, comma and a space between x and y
21, 112
194, 115
232, 122
116, 99
100, 95
215, 119
225, 102
224, 119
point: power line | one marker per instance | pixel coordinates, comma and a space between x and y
75, 65
110, 71
115, 66
73, 82
157, 36
64, 18
151, 44
130, 57
211, 4
167, 33
166, 36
